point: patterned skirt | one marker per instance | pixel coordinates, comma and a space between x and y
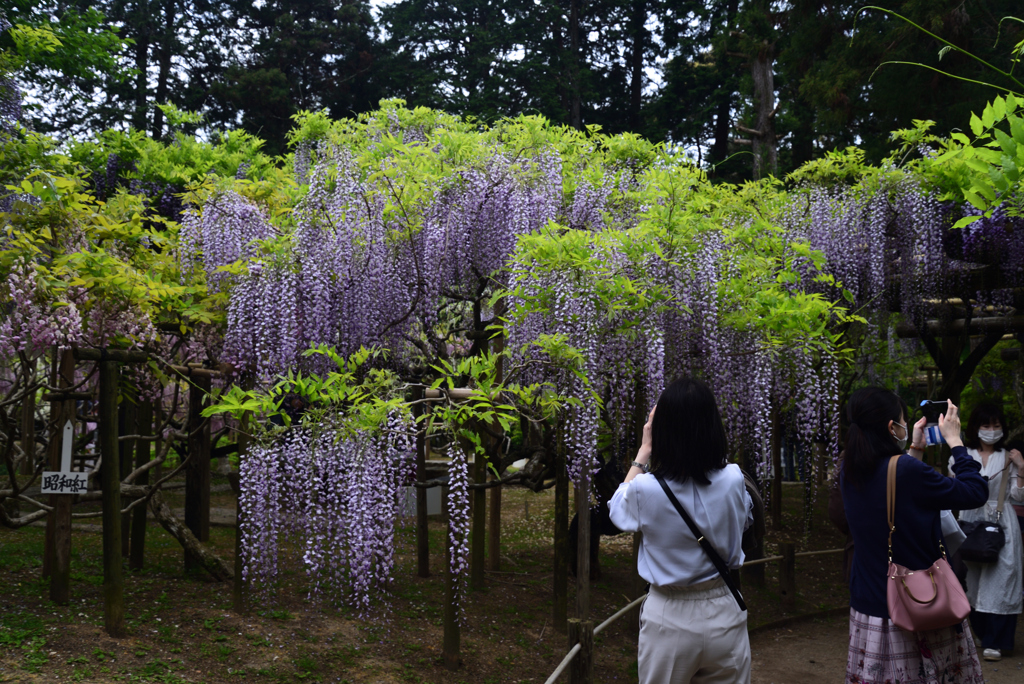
882, 653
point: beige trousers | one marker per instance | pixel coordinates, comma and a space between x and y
694, 634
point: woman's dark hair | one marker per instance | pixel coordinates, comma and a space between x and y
687, 435
985, 414
868, 439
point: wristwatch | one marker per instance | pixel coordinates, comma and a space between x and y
646, 467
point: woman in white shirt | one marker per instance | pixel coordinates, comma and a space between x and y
691, 626
994, 588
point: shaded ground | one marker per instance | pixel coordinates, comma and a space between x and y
182, 628
814, 651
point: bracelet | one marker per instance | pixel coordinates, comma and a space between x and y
646, 467
918, 448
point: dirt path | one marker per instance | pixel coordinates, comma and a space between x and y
814, 652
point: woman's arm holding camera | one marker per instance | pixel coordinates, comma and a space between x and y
643, 454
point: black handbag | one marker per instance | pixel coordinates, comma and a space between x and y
986, 538
716, 559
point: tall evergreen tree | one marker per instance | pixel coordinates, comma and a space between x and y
825, 68
835, 97
463, 55
305, 55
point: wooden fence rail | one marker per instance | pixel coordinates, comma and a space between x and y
582, 632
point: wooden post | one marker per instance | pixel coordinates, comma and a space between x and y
113, 580
422, 529
581, 632
582, 492
144, 422
494, 531
494, 527
787, 575
197, 473
560, 610
776, 447
127, 419
27, 429
478, 540
58, 523
452, 635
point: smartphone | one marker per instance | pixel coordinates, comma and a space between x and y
932, 410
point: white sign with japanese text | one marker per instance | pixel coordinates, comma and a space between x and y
64, 481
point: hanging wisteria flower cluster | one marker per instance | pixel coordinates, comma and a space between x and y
224, 231
337, 494
458, 522
886, 243
31, 323
363, 269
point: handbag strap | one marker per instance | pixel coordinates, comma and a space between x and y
1003, 485
890, 503
890, 499
719, 564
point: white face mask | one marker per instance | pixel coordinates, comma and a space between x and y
990, 436
901, 442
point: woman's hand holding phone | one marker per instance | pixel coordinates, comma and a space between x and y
643, 454
949, 426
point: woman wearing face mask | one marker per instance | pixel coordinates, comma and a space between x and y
879, 650
992, 587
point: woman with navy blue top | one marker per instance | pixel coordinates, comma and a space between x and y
879, 650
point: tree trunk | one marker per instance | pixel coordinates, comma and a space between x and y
560, 610
164, 73
478, 539
113, 579
137, 549
203, 557
583, 550
28, 434
141, 80
575, 117
776, 446
765, 146
723, 114
126, 425
197, 472
636, 65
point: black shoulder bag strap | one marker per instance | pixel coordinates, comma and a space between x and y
720, 565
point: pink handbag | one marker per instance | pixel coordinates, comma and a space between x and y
921, 600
